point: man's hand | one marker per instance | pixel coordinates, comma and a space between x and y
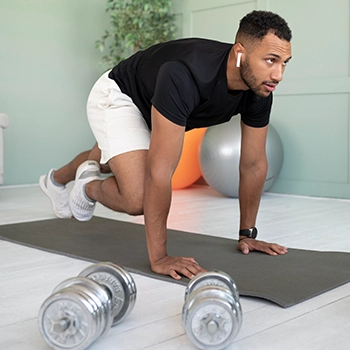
249, 244
174, 266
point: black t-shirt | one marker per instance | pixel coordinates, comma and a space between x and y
186, 82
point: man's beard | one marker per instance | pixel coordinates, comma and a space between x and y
250, 80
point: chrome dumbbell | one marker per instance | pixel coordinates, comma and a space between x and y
83, 308
212, 313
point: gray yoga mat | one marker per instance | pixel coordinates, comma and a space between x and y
285, 280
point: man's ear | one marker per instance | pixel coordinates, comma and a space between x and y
238, 50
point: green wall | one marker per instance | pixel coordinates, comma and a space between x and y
311, 105
48, 66
49, 63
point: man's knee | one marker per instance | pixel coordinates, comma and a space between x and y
135, 210
134, 204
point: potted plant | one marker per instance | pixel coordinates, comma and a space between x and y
135, 25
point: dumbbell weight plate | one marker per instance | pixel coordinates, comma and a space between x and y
210, 317
119, 283
216, 278
98, 294
212, 278
67, 320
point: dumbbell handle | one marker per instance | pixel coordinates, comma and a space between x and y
61, 325
212, 327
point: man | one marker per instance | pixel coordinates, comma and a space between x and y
139, 112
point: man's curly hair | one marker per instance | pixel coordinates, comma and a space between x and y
257, 24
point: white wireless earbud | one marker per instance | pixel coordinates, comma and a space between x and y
238, 63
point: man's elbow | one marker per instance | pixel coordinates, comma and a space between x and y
257, 166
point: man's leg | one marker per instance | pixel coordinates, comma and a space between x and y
54, 183
122, 192
123, 137
67, 173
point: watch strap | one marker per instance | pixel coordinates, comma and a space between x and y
249, 233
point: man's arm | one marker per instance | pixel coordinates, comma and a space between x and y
253, 169
163, 157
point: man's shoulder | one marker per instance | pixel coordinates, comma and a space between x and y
184, 47
196, 43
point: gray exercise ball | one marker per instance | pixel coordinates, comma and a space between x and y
220, 152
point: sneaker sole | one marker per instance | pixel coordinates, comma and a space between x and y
82, 218
80, 170
90, 167
46, 192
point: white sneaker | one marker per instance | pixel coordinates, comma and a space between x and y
58, 196
81, 206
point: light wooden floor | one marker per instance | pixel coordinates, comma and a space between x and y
28, 276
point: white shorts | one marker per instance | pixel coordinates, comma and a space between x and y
116, 122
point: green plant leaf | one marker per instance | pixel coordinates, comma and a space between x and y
135, 25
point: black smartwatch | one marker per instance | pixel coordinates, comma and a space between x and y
249, 233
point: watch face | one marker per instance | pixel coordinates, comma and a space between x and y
253, 232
